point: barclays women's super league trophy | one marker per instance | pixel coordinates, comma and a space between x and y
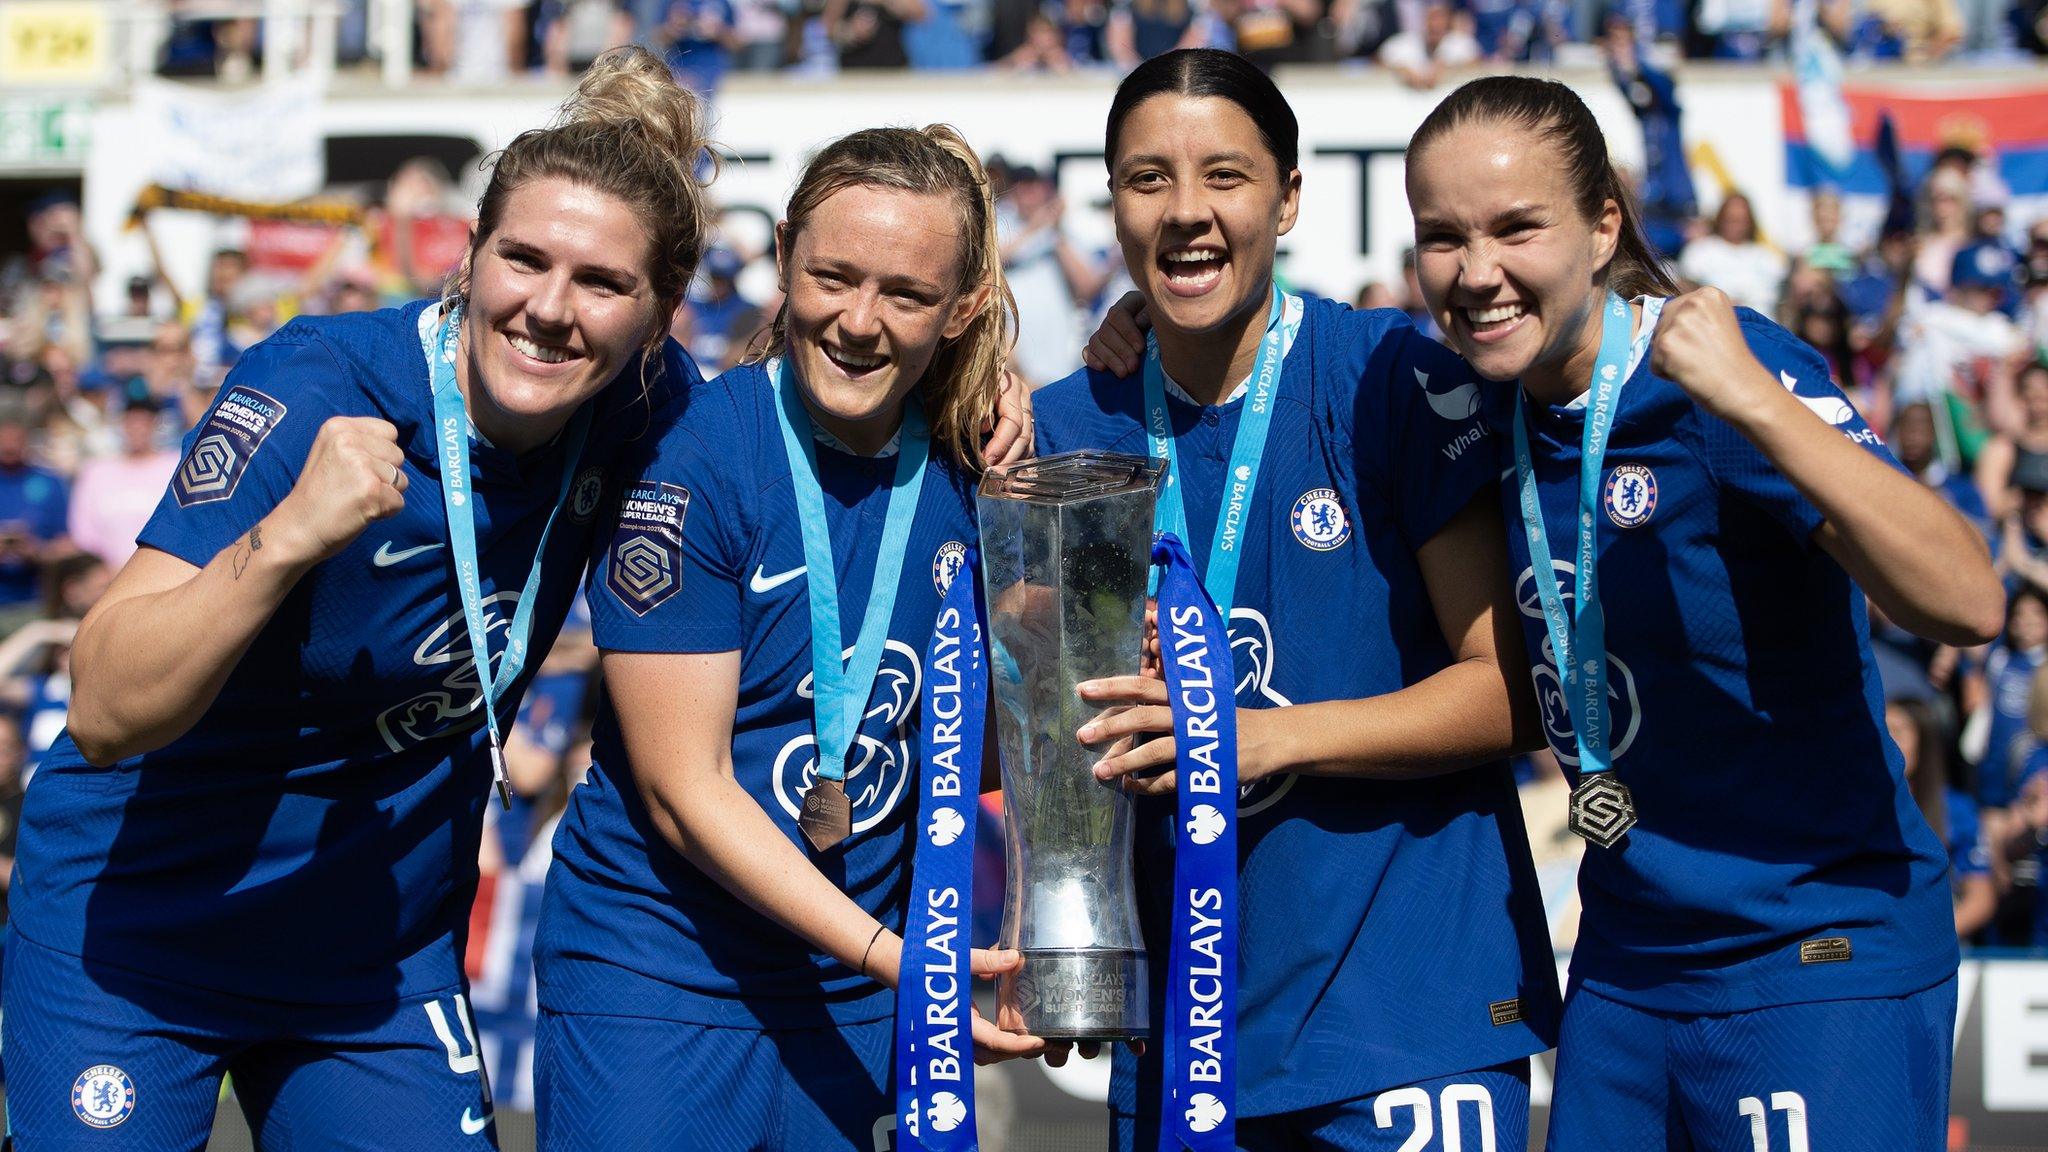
1066, 548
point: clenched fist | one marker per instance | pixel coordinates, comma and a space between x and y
354, 476
1699, 347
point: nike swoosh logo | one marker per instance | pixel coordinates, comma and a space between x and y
760, 583
472, 1127
385, 557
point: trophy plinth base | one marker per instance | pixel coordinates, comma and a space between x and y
1079, 994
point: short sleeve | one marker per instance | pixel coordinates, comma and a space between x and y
248, 450
666, 577
1740, 467
1429, 450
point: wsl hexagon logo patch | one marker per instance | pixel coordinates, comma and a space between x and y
103, 1096
233, 431
643, 568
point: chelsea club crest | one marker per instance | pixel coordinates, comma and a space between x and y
1631, 495
103, 1096
946, 564
585, 494
1319, 521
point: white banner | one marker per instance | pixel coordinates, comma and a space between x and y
260, 144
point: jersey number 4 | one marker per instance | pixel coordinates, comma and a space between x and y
1792, 1104
1423, 1109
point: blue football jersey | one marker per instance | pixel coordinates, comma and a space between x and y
1779, 858
705, 554
1392, 931
313, 837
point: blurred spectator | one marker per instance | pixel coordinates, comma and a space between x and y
114, 495
33, 507
12, 761
572, 33
1734, 259
1827, 252
1274, 32
35, 662
1913, 443
2026, 840
1924, 29
419, 234
1998, 462
1950, 812
56, 246
208, 319
869, 33
1045, 47
1947, 196
1373, 294
1420, 55
1409, 299
1665, 191
2009, 672
698, 39
1040, 265
1963, 353
720, 320
1739, 29
473, 41
1818, 316
2033, 310
1138, 30
54, 310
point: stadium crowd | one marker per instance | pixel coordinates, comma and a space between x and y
484, 41
1938, 331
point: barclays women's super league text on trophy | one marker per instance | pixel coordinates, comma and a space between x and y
1065, 549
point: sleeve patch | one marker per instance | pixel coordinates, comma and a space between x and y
237, 427
644, 567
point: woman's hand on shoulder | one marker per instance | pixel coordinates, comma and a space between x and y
353, 477
1118, 346
1699, 346
1009, 432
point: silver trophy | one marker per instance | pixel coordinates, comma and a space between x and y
1065, 548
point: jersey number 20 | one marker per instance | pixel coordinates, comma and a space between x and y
1418, 1103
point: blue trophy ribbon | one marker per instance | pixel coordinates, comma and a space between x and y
1200, 1091
934, 1001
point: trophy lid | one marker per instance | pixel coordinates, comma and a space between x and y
1071, 476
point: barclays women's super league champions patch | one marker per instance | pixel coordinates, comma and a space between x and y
647, 546
236, 428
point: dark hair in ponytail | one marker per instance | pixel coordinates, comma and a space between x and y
1556, 113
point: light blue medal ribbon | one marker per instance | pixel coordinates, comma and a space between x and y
1246, 452
1602, 810
841, 688
451, 433
934, 1034
1200, 1098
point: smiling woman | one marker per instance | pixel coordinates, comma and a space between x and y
736, 866
254, 850
1697, 459
1371, 622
